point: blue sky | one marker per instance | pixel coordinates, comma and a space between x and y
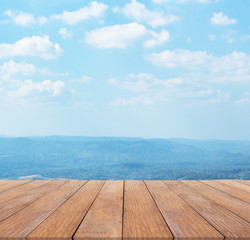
155, 68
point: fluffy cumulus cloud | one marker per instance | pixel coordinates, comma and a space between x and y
21, 18
138, 12
222, 19
148, 89
232, 67
94, 10
28, 87
132, 101
12, 68
121, 36
35, 46
184, 1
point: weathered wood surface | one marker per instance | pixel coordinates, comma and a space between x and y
77, 209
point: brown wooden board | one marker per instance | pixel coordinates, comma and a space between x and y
21, 190
12, 184
142, 219
4, 182
229, 190
63, 223
233, 204
184, 222
104, 218
19, 225
238, 185
247, 182
16, 204
227, 223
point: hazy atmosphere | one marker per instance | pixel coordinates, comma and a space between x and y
155, 68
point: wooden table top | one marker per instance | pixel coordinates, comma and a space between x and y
79, 209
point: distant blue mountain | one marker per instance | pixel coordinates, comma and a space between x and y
122, 158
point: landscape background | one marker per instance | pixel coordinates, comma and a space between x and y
122, 158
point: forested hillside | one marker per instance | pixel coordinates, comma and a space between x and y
123, 158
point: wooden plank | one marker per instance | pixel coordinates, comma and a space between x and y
233, 204
184, 222
16, 204
20, 190
13, 184
142, 219
63, 223
242, 195
2, 182
247, 182
237, 185
227, 223
19, 225
104, 219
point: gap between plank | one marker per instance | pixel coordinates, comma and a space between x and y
87, 211
223, 191
30, 203
58, 206
198, 212
159, 210
220, 204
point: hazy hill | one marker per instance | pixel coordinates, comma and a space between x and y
123, 158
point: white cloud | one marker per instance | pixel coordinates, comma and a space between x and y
232, 67
144, 82
94, 10
34, 46
64, 33
42, 20
221, 19
22, 19
149, 90
184, 1
158, 39
122, 36
12, 68
138, 11
179, 58
29, 87
117, 36
131, 101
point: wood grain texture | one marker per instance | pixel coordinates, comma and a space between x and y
247, 182
233, 204
12, 184
16, 204
4, 182
227, 223
142, 219
63, 223
184, 222
60, 210
21, 190
19, 225
238, 185
104, 218
242, 195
